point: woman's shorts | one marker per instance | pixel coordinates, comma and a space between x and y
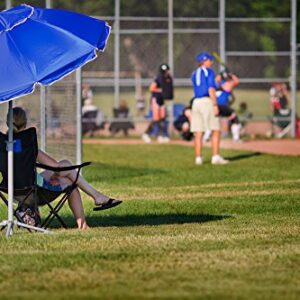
158, 99
203, 117
42, 182
47, 191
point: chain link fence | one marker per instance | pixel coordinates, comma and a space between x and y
260, 49
52, 110
59, 121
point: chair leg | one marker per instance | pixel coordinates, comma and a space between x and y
16, 216
6, 203
54, 213
284, 131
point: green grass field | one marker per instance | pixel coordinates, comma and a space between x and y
183, 231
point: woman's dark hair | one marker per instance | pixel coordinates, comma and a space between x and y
19, 118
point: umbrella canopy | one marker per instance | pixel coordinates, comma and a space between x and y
39, 46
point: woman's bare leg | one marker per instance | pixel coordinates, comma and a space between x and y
198, 143
75, 203
215, 142
98, 197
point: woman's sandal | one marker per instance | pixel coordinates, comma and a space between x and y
109, 204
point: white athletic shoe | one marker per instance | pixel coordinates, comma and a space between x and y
166, 139
160, 139
219, 160
199, 160
146, 138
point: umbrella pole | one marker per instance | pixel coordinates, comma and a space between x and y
10, 222
10, 159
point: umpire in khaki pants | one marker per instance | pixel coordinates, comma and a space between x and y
205, 110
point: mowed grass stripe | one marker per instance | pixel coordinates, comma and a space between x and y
187, 195
183, 232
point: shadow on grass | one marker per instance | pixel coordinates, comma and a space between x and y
141, 220
244, 156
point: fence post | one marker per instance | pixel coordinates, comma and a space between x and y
116, 28
170, 36
43, 117
8, 4
78, 117
43, 105
170, 59
293, 81
48, 3
222, 32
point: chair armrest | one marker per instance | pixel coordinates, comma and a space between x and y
60, 169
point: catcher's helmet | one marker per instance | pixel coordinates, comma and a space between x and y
225, 74
163, 68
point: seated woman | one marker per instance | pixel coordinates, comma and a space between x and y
58, 181
122, 120
280, 101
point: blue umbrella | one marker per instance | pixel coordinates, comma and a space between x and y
40, 46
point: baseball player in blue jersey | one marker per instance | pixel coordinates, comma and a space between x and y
226, 82
205, 110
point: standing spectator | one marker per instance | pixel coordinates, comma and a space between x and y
161, 88
205, 110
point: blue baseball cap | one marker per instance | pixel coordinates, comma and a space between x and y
204, 56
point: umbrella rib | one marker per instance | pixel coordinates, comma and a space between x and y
70, 33
66, 74
24, 60
21, 21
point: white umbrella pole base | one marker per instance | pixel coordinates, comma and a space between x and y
10, 225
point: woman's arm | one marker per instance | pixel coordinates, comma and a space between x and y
235, 80
46, 159
154, 88
230, 84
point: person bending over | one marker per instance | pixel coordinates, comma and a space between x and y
183, 124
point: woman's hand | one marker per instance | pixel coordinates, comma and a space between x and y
54, 180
